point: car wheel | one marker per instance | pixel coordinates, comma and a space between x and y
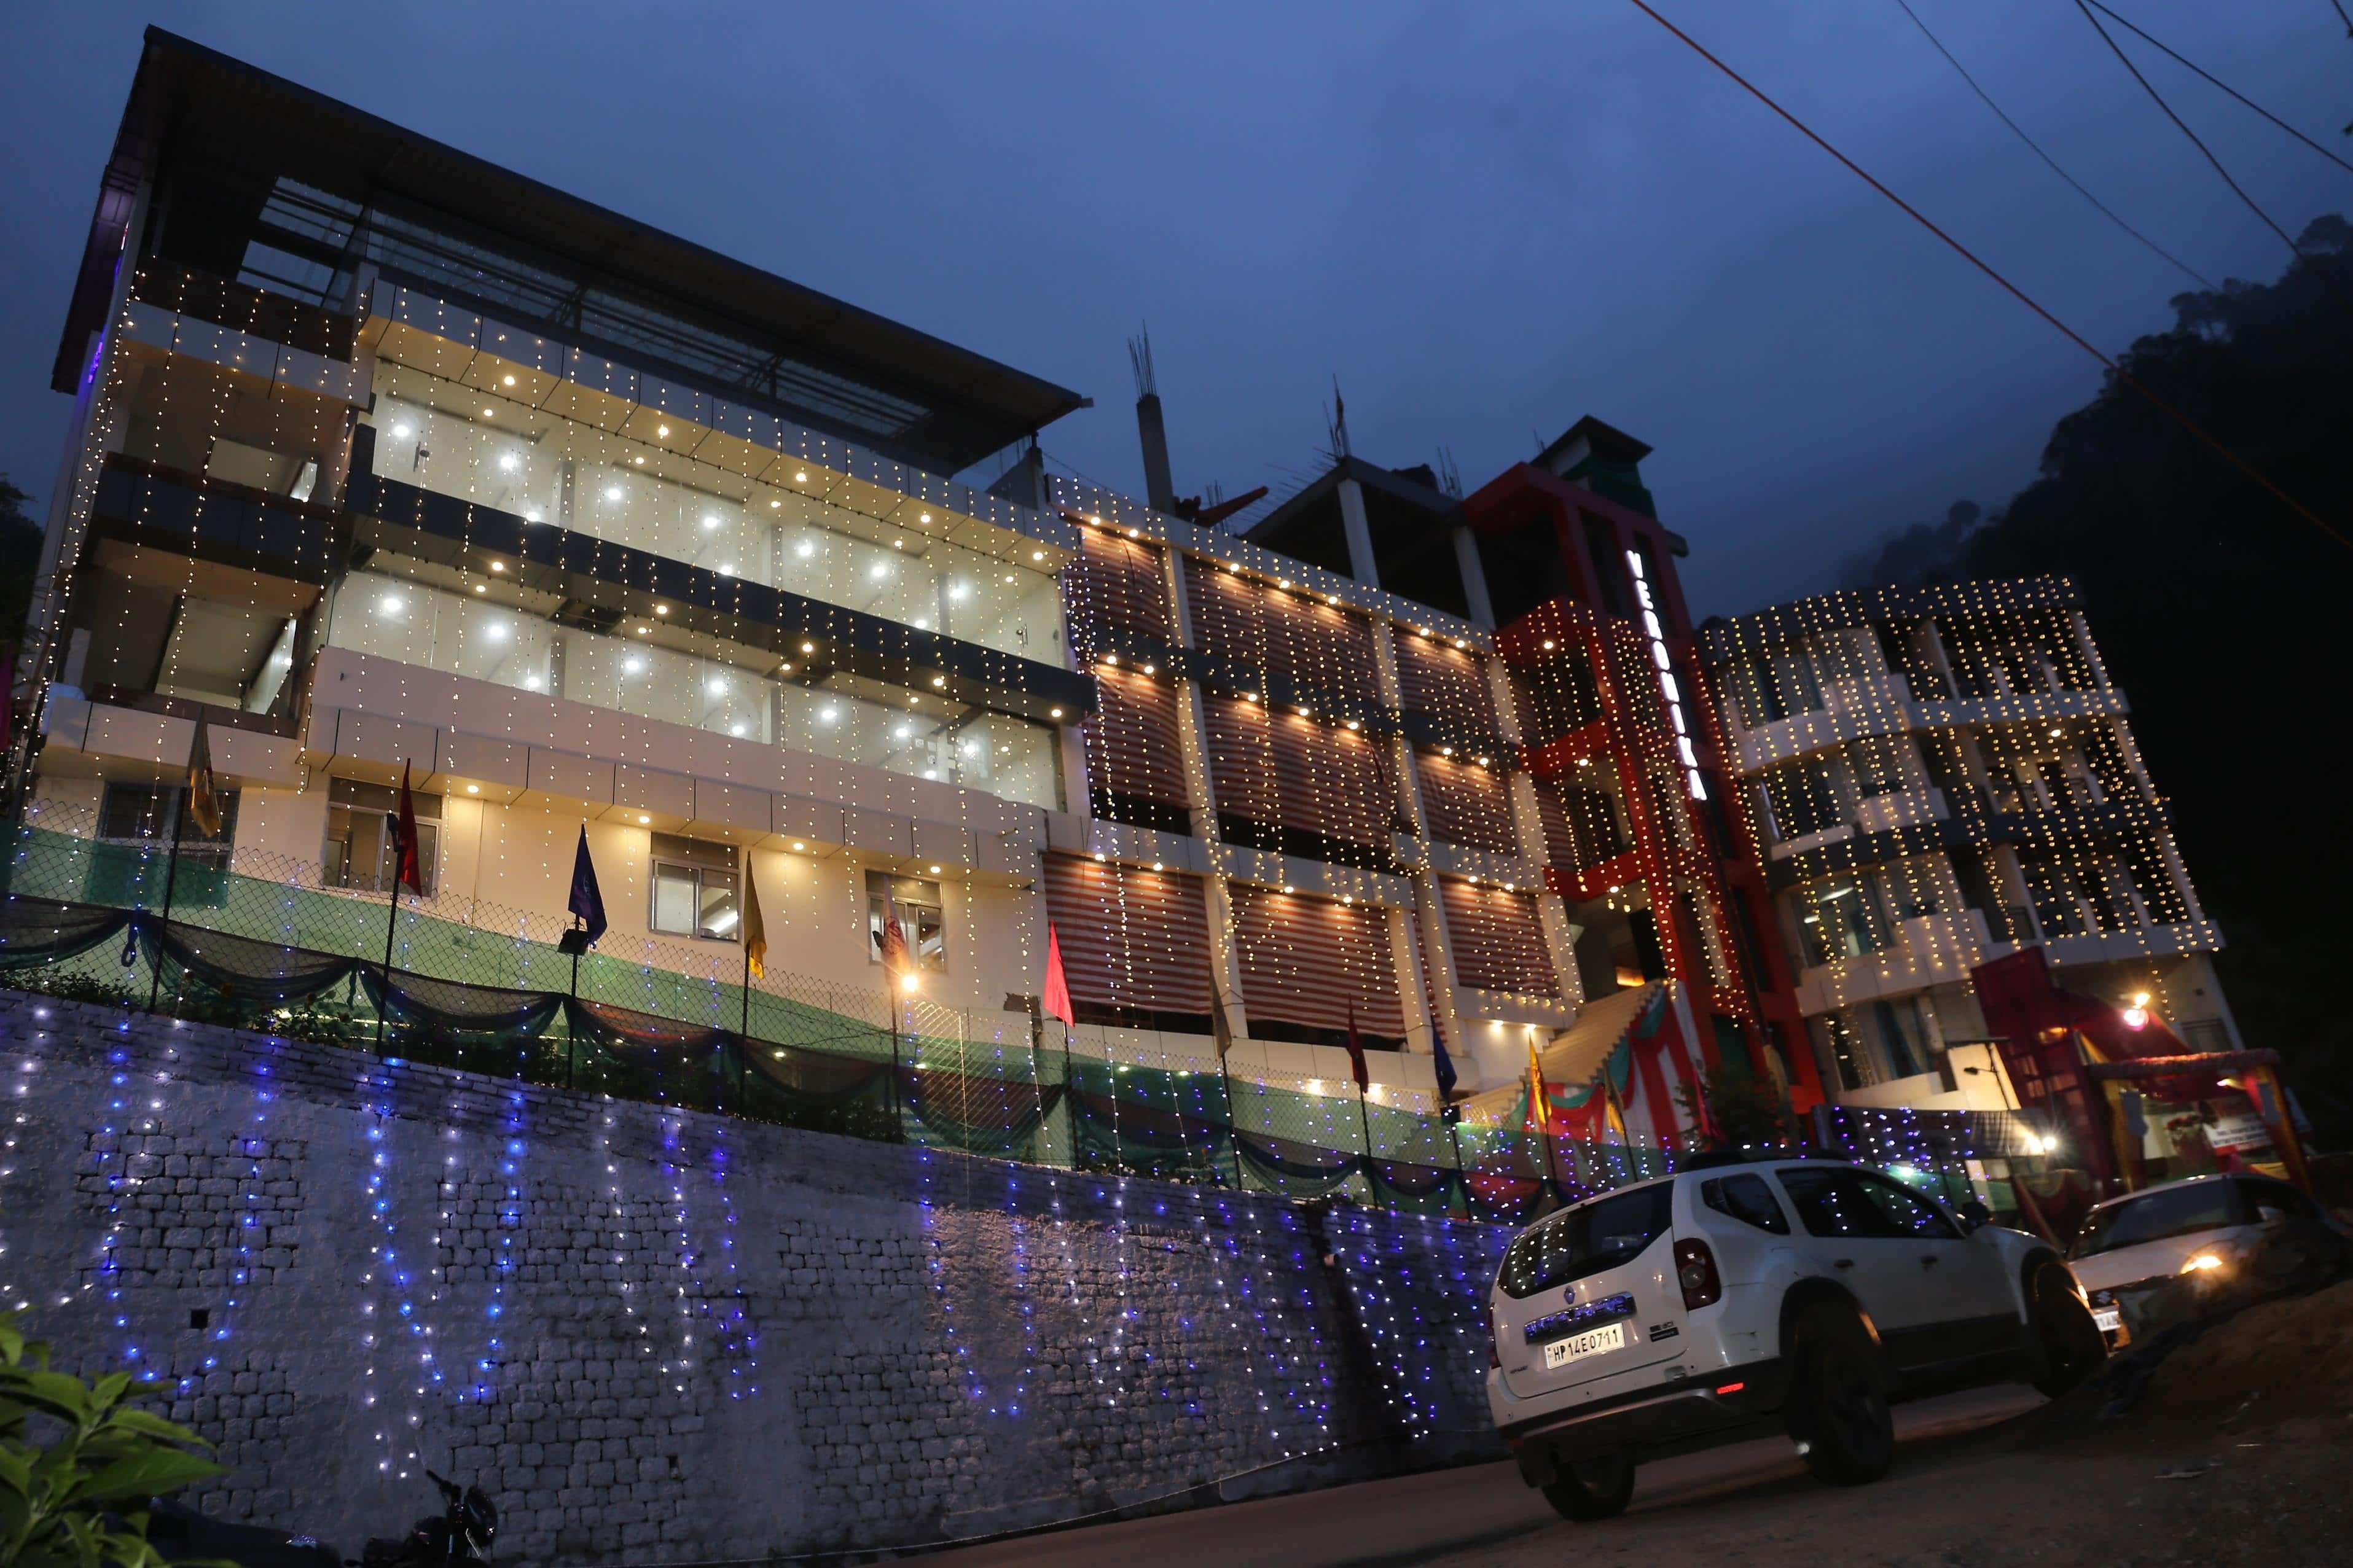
1598, 1487
1838, 1412
2069, 1345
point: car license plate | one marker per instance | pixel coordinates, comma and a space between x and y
1592, 1341
2110, 1319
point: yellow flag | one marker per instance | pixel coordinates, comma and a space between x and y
203, 794
756, 930
1540, 1103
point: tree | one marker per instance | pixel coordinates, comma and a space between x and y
1742, 1110
2222, 614
80, 1463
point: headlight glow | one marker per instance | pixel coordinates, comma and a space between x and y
2198, 1263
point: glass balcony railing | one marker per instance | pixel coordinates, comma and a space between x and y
846, 717
454, 441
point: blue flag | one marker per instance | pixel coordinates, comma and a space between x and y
1444, 1065
587, 900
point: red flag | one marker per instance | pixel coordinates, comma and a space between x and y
1356, 1052
895, 962
410, 877
1054, 1002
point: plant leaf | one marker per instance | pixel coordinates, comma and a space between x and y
150, 1474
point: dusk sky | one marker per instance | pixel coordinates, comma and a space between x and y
1484, 220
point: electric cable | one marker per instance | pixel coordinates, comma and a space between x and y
2226, 86
2020, 132
2183, 126
2123, 376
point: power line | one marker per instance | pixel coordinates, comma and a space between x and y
2122, 375
2341, 17
2021, 133
2233, 91
2183, 126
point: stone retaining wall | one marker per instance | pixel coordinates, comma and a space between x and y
663, 1336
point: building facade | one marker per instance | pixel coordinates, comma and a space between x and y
1940, 778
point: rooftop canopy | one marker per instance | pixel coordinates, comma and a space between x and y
239, 158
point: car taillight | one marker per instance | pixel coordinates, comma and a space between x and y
1695, 1272
1495, 1355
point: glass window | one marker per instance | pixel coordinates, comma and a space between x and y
1586, 1239
1746, 1198
146, 814
694, 889
359, 849
1830, 1200
2274, 1201
916, 905
1906, 1213
2156, 1216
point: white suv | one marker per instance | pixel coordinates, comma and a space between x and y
1751, 1293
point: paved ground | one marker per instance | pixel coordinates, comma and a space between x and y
1982, 1479
1418, 1519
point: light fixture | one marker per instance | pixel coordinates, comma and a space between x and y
612, 492
798, 846
489, 413
939, 680
533, 515
736, 731
633, 666
661, 432
506, 381
495, 632
776, 505
1056, 713
509, 462
532, 683
639, 459
804, 549
808, 647
710, 520
926, 518
661, 609
403, 432
1151, 670
935, 871
908, 983
481, 587
801, 477
2200, 1263
1157, 867
1037, 555
725, 568
1550, 645
879, 570
1283, 582
716, 686
828, 715
644, 821
1352, 724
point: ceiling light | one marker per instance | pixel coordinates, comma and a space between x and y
939, 680
726, 569
926, 518
473, 789
804, 549
1037, 555
612, 492
710, 520
808, 647
533, 516
661, 432
506, 381
1151, 670
935, 871
784, 670
798, 845
403, 432
716, 686
1056, 713
509, 462
489, 413
633, 666
959, 590
481, 588
828, 715
879, 570
902, 733
531, 683
1550, 645
497, 565
801, 477
642, 821
661, 609
776, 505
1283, 582
639, 459
496, 631
735, 730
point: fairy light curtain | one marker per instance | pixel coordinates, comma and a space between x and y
1133, 741
1465, 804
1308, 961
1582, 825
1444, 681
1294, 635
1114, 584
1498, 944
1132, 938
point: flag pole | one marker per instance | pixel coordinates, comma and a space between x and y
171, 875
391, 924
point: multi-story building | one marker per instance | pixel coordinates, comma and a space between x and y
387, 461
1940, 777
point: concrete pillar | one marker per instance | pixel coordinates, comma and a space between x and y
1475, 577
1360, 534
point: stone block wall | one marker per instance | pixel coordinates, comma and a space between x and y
661, 1336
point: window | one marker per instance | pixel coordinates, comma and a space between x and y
1841, 918
917, 906
1844, 1202
694, 889
2272, 1202
1586, 1239
1906, 1213
1896, 1031
2157, 1215
142, 815
359, 852
1746, 1198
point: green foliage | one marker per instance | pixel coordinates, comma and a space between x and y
2222, 615
69, 988
79, 1498
1742, 1108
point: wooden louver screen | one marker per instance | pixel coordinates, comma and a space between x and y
1496, 939
1114, 586
1287, 771
1465, 804
1580, 823
1319, 646
1444, 681
1306, 960
1133, 744
1130, 938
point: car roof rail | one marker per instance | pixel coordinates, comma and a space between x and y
1759, 1153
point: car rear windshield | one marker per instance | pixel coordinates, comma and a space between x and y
1586, 1239
2182, 1211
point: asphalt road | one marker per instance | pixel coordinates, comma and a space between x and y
1485, 1513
